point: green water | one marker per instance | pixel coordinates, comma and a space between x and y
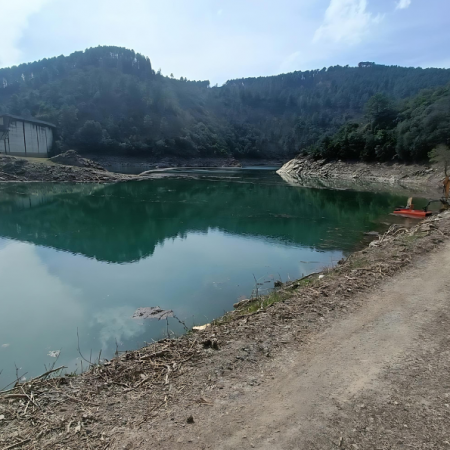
87, 256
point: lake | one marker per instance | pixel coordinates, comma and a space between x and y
85, 257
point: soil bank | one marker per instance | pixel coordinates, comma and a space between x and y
355, 359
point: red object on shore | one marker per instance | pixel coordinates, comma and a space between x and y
417, 213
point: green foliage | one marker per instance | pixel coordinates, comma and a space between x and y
90, 135
377, 105
440, 155
109, 99
407, 134
424, 124
264, 302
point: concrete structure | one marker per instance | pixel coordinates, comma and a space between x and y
20, 136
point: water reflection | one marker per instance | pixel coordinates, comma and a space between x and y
36, 307
86, 257
125, 222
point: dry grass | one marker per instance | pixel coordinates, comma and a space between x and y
37, 160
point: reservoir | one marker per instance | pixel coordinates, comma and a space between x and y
83, 258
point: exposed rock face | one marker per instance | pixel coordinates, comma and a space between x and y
72, 158
302, 169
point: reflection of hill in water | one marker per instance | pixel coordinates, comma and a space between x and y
124, 222
360, 185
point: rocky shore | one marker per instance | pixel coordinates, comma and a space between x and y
72, 158
23, 169
72, 167
336, 173
69, 168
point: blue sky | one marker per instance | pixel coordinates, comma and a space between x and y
218, 40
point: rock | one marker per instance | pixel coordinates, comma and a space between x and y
190, 419
72, 158
337, 174
278, 283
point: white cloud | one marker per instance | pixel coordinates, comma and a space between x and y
15, 17
403, 4
116, 325
346, 21
41, 300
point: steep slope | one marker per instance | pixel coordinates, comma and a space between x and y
407, 131
110, 100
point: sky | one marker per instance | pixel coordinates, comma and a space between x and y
218, 40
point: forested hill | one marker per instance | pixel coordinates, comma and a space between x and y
110, 100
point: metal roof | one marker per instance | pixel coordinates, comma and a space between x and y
30, 120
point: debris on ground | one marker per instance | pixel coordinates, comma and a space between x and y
201, 327
152, 312
146, 388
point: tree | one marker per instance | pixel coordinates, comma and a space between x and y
441, 155
68, 120
90, 134
379, 110
115, 90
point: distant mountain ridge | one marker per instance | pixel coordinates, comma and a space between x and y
110, 100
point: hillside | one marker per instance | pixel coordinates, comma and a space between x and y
109, 100
401, 132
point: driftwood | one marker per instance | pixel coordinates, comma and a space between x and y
17, 444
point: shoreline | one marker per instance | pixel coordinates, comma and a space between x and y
415, 178
150, 384
421, 180
20, 169
149, 163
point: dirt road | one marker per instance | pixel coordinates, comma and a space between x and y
377, 379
